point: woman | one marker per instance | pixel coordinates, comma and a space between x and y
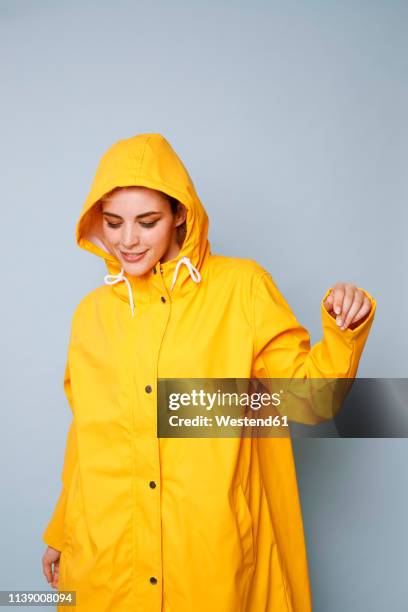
147, 523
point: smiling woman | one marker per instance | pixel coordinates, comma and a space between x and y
141, 226
178, 524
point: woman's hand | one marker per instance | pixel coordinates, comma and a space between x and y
348, 305
51, 556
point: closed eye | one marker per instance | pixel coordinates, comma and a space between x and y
151, 224
115, 225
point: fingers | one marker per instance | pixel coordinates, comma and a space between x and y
52, 578
47, 571
50, 567
56, 575
352, 303
349, 303
363, 312
339, 293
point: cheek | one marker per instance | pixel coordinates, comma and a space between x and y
159, 236
111, 235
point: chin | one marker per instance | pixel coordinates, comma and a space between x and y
136, 269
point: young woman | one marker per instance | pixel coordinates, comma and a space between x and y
163, 524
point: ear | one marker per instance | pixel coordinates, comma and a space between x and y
181, 214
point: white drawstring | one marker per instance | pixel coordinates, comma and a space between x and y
194, 273
111, 279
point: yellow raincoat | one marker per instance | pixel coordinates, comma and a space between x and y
149, 524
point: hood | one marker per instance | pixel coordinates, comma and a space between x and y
146, 160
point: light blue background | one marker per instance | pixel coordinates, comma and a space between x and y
291, 118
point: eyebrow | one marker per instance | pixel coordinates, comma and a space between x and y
142, 216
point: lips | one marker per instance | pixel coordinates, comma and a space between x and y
132, 257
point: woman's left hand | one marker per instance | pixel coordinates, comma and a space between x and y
348, 305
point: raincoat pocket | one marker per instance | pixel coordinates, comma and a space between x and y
244, 522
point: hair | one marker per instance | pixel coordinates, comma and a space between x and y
181, 230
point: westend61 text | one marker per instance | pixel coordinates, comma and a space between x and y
227, 421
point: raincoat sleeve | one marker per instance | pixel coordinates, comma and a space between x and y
54, 533
282, 346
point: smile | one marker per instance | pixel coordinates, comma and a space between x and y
131, 257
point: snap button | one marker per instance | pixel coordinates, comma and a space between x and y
152, 484
148, 389
153, 579
163, 299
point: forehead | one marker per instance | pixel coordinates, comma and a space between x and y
135, 198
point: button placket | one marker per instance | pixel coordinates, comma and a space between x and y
166, 296
146, 454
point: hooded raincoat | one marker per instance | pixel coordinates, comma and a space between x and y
148, 524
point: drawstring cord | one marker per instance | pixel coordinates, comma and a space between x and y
194, 273
111, 279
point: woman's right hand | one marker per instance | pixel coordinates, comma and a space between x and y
50, 557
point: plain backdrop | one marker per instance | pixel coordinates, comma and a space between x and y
291, 118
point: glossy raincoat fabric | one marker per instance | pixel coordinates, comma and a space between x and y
149, 524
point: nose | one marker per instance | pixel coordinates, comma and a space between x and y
129, 236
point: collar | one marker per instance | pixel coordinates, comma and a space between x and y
173, 273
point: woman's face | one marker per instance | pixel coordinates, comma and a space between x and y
139, 228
